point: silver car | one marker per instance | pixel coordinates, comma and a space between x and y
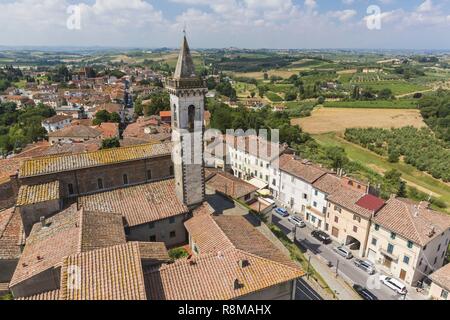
297, 221
344, 252
365, 265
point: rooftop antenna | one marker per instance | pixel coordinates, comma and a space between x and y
184, 29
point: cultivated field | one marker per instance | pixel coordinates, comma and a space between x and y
325, 120
415, 178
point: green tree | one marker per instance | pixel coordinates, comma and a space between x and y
114, 117
110, 143
337, 157
394, 156
101, 116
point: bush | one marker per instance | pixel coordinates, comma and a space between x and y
178, 253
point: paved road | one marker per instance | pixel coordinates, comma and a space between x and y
345, 268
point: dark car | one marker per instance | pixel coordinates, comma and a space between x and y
364, 293
321, 236
282, 212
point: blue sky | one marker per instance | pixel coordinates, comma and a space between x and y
404, 24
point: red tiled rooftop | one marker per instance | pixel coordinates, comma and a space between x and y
165, 114
370, 202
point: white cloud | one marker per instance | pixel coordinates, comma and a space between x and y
343, 15
213, 23
426, 6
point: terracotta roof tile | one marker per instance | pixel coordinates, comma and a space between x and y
49, 295
113, 273
138, 204
56, 119
414, 221
300, 169
100, 230
11, 234
228, 184
213, 276
442, 277
29, 195
76, 131
328, 183
348, 199
61, 163
69, 232
218, 233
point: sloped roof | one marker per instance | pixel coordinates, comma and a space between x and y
69, 162
69, 232
49, 295
213, 276
228, 184
138, 204
328, 183
185, 65
442, 277
11, 234
29, 195
76, 131
218, 233
414, 221
113, 273
301, 169
348, 199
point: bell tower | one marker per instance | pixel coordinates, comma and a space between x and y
187, 95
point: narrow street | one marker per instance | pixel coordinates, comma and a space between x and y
338, 266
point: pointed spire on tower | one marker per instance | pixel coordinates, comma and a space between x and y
185, 65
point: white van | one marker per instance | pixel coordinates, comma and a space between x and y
394, 284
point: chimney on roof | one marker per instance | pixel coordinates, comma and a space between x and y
243, 263
432, 232
43, 222
237, 284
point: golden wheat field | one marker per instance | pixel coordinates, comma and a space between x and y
325, 120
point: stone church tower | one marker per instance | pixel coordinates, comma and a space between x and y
187, 96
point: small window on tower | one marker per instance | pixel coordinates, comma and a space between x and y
125, 179
100, 184
175, 116
171, 171
191, 118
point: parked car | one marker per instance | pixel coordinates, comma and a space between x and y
321, 236
297, 221
344, 252
394, 284
282, 212
364, 293
365, 265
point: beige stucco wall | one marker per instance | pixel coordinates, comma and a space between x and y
345, 225
436, 292
161, 230
421, 260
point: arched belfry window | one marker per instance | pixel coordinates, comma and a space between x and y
191, 118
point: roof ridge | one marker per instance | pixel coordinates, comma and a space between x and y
223, 233
411, 219
8, 222
269, 260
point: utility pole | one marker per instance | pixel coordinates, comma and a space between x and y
337, 268
309, 264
